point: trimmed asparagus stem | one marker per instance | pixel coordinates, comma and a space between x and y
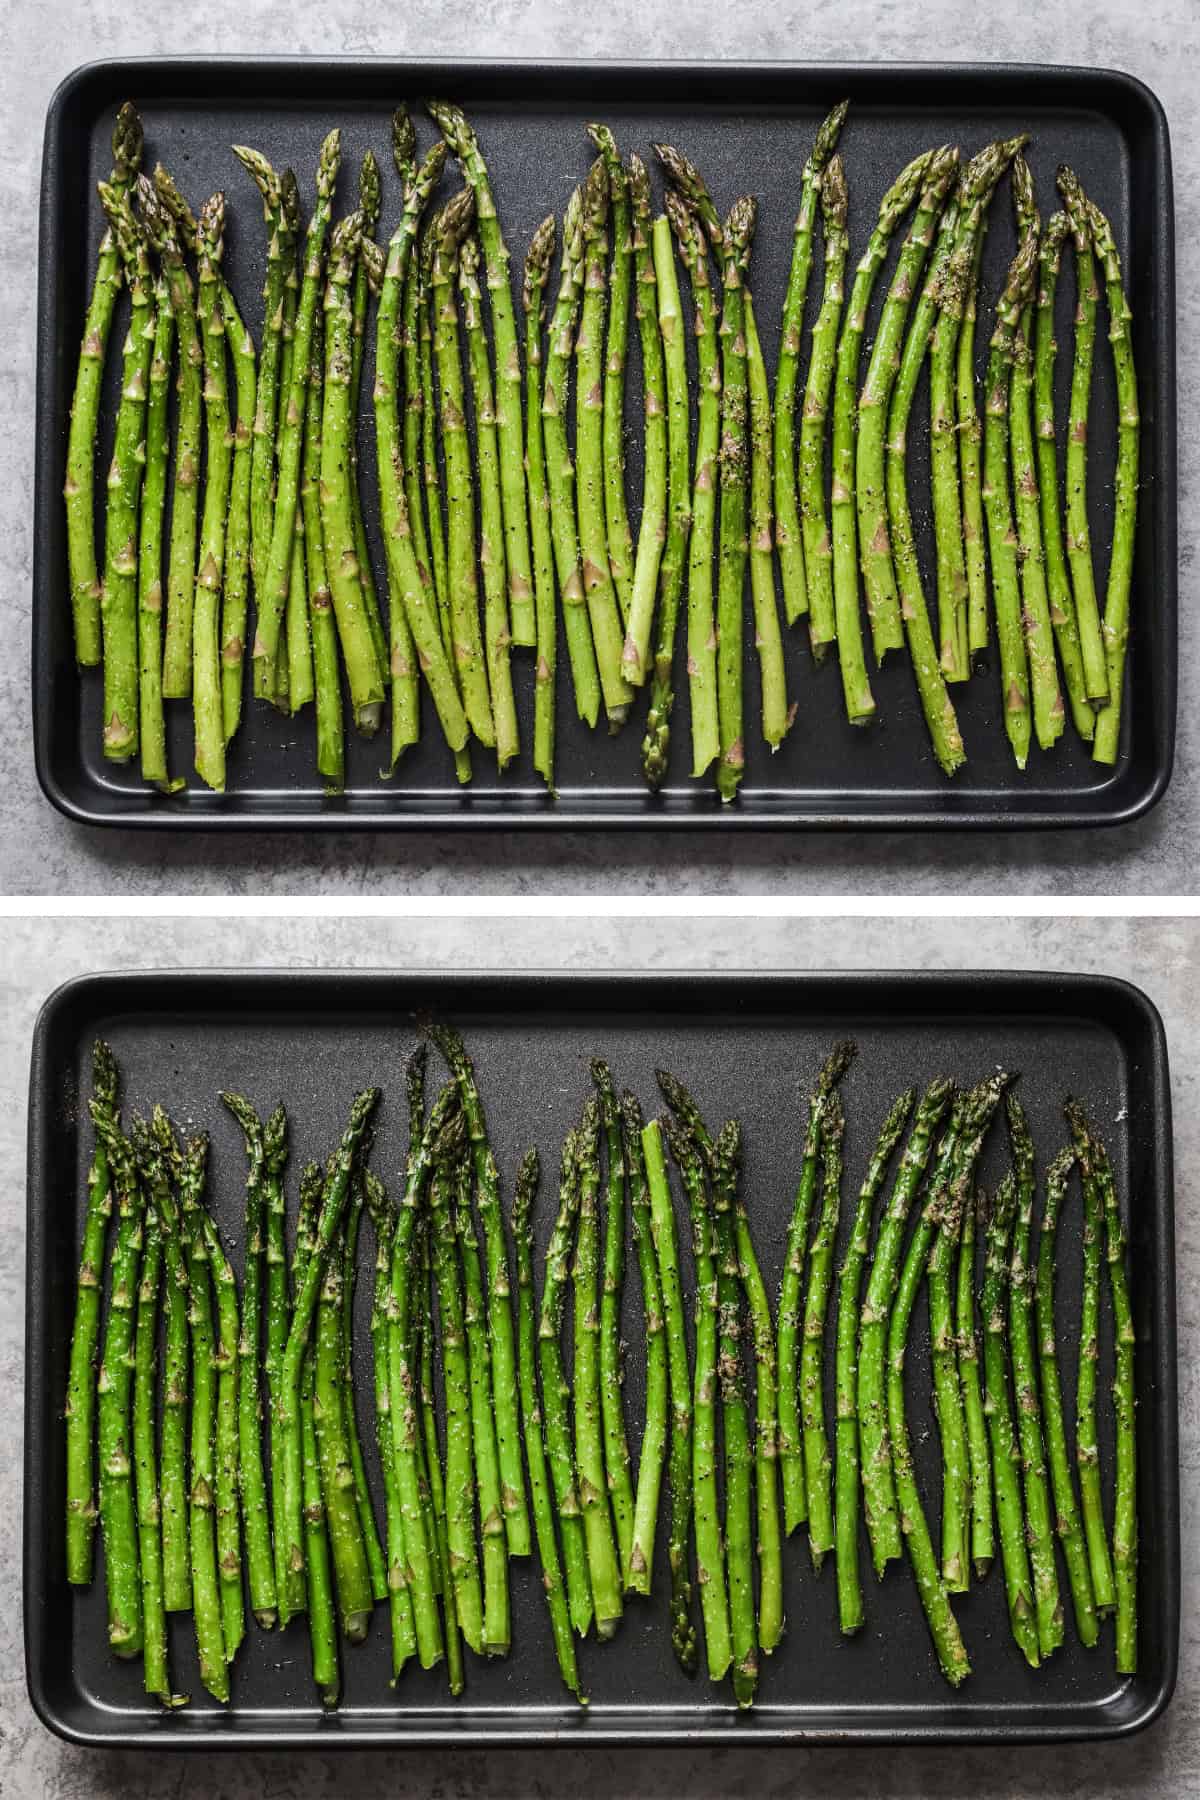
462, 141
327, 660
79, 487
652, 531
280, 255
497, 1628
603, 1557
235, 600
982, 1527
560, 470
537, 273
788, 535
1010, 1516
896, 202
817, 1461
618, 1482
399, 1596
275, 1146
701, 623
654, 1431
589, 448
497, 637
847, 1473
1087, 1450
791, 1439
948, 1404
152, 737
1066, 1507
437, 1487
376, 1561
365, 284
768, 639
1125, 1535
621, 285
1062, 599
734, 542
870, 489
85, 1332
656, 742
206, 1583
766, 1437
556, 1392
818, 545
1120, 567
294, 638
152, 1149
666, 1252
1010, 634
321, 1607
970, 458
531, 1419
735, 1417
274, 592
118, 1520
346, 1545
456, 1389
710, 1550
879, 1488
208, 719
952, 595
225, 1361
1079, 542
149, 1526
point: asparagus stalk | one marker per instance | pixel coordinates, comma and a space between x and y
369, 198
280, 253
293, 682
347, 1548
437, 1488
1087, 1451
1079, 542
768, 641
531, 1417
654, 1432
150, 1148
1125, 485
275, 1146
207, 711
376, 1561
556, 1392
1125, 1542
879, 1488
948, 1400
817, 1462
456, 1388
618, 1481
603, 1558
970, 457
589, 448
235, 600
79, 487
461, 139
152, 736
679, 506
537, 274
652, 531
1066, 1507
847, 1473
982, 1526
429, 453
118, 1520
621, 288
896, 202
791, 1439
85, 1332
766, 1437
1010, 1517
870, 486
322, 1615
560, 470
145, 1457
666, 1254
327, 660
399, 1595
491, 526
1062, 600
206, 1582
818, 545
735, 1418
734, 547
788, 535
497, 1629
225, 1361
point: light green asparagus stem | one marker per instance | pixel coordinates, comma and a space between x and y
152, 737
948, 1406
982, 1527
766, 1437
1087, 1450
145, 1455
85, 1333
870, 489
1125, 1533
970, 459
879, 1488
1079, 542
603, 1560
618, 1481
207, 712
1010, 1517
294, 683
788, 536
621, 287
114, 1444
791, 1291
437, 1489
119, 595
768, 641
666, 1252
818, 545
321, 1607
275, 1146
1120, 567
847, 1472
537, 273
531, 1419
1062, 600
817, 1461
365, 284
376, 1562
206, 1582
79, 487
656, 742
462, 141
734, 549
399, 1594
1066, 1507
460, 1460
225, 1361
589, 448
556, 1392
654, 1432
896, 202
496, 634
429, 446
652, 531
173, 1447
327, 660
346, 1546
735, 1417
235, 601
280, 256
497, 1628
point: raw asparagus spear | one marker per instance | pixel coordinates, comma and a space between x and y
461, 139
399, 1593
497, 1628
437, 1487
1066, 1507
654, 1431
275, 1147
768, 640
292, 683
531, 1417
731, 578
460, 1460
322, 1614
537, 274
280, 253
818, 545
652, 530
376, 1561
145, 1457
982, 1527
1125, 1535
621, 287
791, 1439
365, 284
152, 1150
327, 658
970, 458
817, 1462
556, 1392
766, 1437
1120, 567
735, 1418
85, 1332
79, 487
847, 1473
235, 600
1087, 1450
618, 1481
152, 737
1079, 542
948, 1406
1010, 1514
347, 1548
207, 713
206, 1582
225, 1361
603, 1558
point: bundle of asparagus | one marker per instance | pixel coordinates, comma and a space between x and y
201, 1506
477, 494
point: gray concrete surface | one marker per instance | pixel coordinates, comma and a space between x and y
42, 853
1162, 956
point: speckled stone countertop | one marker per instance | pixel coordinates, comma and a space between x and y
1161, 956
42, 853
